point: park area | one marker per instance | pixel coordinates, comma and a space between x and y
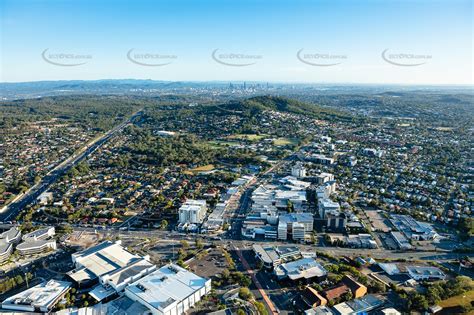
458, 303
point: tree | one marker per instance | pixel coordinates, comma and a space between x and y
290, 207
245, 294
434, 293
317, 287
378, 287
225, 274
199, 244
181, 254
261, 308
347, 296
466, 228
241, 312
417, 302
18, 280
164, 224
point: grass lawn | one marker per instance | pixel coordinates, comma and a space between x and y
205, 168
208, 167
458, 300
250, 137
219, 144
284, 141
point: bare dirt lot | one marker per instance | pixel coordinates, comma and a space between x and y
83, 239
377, 221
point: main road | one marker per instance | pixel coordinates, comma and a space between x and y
246, 244
20, 202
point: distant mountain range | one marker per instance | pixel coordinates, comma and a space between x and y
50, 88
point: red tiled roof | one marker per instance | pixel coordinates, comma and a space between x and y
336, 292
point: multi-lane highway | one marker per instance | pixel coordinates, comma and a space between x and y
10, 211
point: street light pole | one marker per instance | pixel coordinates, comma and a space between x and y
26, 278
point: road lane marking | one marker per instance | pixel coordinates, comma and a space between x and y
269, 302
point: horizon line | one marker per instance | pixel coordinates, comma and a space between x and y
247, 81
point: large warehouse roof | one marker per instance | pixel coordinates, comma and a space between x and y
42, 296
102, 259
166, 286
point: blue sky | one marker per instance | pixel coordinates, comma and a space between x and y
350, 36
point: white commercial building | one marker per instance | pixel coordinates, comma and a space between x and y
7, 239
263, 199
298, 170
6, 250
304, 268
373, 152
216, 220
362, 305
31, 247
165, 133
324, 177
299, 231
45, 198
326, 139
244, 180
326, 189
326, 206
192, 211
425, 273
272, 256
37, 242
296, 197
296, 224
13, 235
103, 258
268, 198
413, 229
170, 290
321, 159
40, 234
110, 265
293, 183
40, 298
390, 269
401, 241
